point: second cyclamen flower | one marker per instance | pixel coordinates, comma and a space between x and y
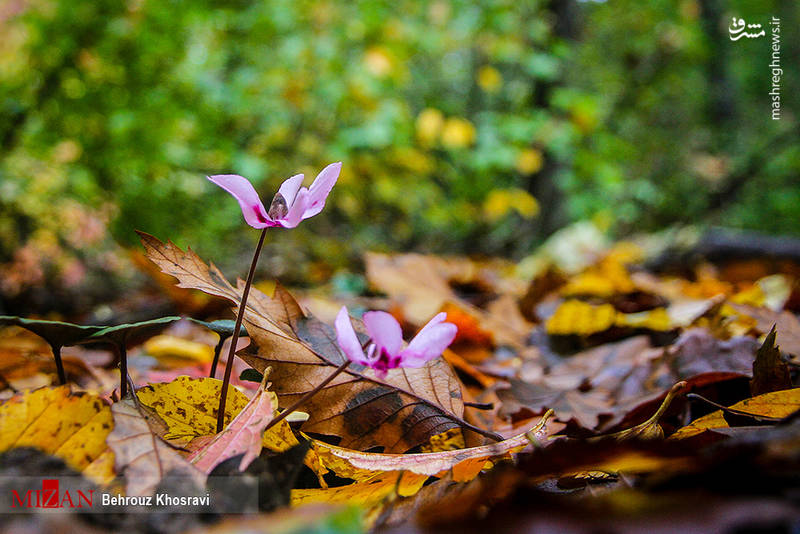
385, 350
291, 204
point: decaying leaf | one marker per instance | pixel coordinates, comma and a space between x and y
770, 372
72, 426
241, 436
776, 404
139, 452
188, 406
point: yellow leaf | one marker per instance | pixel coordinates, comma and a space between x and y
366, 492
607, 278
774, 404
71, 426
529, 161
581, 318
188, 407
489, 79
429, 125
458, 133
499, 202
174, 349
657, 320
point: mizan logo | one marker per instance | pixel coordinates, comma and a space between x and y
50, 497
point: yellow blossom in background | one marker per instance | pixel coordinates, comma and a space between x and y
458, 133
378, 62
429, 125
500, 202
530, 161
490, 79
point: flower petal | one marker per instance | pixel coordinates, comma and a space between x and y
242, 190
385, 331
347, 339
296, 210
290, 187
430, 342
321, 188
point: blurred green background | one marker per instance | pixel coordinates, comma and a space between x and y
464, 127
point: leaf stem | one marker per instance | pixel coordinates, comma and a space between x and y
235, 338
217, 350
62, 377
307, 396
122, 353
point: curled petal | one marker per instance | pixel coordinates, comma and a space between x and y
430, 342
347, 339
385, 331
290, 187
243, 191
321, 188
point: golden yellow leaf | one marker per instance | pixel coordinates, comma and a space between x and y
171, 349
489, 79
71, 426
774, 404
529, 161
581, 318
500, 202
366, 492
429, 125
458, 133
188, 407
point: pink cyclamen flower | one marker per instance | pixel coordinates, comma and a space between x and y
291, 203
385, 350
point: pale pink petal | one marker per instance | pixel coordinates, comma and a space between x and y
296, 210
347, 339
430, 342
321, 188
290, 187
384, 330
243, 191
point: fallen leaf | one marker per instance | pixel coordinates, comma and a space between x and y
71, 426
241, 436
188, 406
770, 372
583, 407
174, 351
140, 455
776, 404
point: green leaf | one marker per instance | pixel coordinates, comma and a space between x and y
56, 333
224, 327
129, 334
251, 375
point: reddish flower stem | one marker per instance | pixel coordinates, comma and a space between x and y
235, 338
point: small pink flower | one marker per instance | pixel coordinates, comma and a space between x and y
291, 203
385, 350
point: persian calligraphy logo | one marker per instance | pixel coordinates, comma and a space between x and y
738, 26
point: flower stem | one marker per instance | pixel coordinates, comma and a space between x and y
235, 338
307, 396
123, 370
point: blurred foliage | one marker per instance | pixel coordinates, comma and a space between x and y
463, 127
